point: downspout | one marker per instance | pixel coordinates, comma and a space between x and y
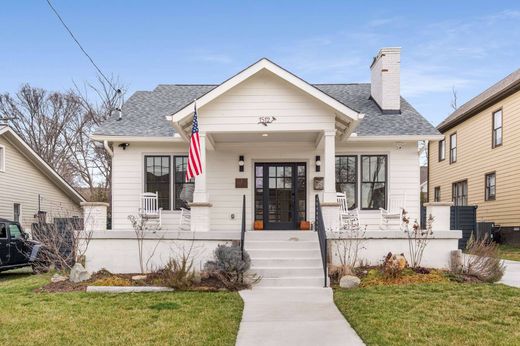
107, 148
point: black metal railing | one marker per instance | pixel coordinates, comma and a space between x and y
319, 227
243, 230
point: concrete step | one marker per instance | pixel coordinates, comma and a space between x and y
284, 253
285, 262
281, 244
302, 281
279, 272
280, 235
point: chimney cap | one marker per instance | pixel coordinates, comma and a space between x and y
383, 51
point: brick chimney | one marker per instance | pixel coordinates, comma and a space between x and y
385, 87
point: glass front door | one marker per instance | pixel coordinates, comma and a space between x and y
280, 195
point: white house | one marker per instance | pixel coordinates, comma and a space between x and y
276, 139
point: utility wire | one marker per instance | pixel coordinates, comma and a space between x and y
118, 91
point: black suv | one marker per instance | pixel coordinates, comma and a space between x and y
16, 250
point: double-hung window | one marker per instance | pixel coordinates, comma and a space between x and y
491, 186
346, 178
497, 128
183, 189
453, 148
442, 150
459, 193
373, 181
437, 194
158, 178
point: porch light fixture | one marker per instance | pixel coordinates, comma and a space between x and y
124, 145
241, 163
318, 163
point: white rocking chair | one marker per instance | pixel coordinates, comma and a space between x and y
149, 209
394, 213
347, 218
185, 220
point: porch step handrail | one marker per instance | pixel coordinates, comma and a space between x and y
243, 230
319, 227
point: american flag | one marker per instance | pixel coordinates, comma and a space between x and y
194, 163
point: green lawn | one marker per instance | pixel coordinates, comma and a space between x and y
509, 252
78, 318
433, 314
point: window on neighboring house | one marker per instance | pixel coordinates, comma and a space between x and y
2, 158
459, 193
158, 178
16, 212
183, 190
437, 194
373, 181
346, 178
453, 148
491, 185
497, 128
442, 150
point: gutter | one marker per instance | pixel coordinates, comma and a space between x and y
107, 148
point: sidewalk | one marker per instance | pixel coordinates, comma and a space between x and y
512, 274
293, 316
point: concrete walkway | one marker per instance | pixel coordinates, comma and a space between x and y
512, 274
293, 316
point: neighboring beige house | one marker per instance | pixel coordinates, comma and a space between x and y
478, 161
29, 185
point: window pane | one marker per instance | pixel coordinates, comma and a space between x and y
498, 136
183, 190
497, 119
3, 231
157, 178
346, 178
259, 171
373, 187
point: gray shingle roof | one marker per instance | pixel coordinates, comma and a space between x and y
474, 105
144, 112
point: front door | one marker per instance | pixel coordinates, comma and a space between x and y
280, 195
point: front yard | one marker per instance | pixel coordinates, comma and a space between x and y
433, 314
180, 318
509, 252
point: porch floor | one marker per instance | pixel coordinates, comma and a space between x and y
293, 316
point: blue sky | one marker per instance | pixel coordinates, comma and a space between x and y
468, 45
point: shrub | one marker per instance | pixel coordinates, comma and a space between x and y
394, 265
483, 261
177, 273
229, 266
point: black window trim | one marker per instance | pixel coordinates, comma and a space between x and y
357, 183
170, 202
443, 152
456, 146
493, 130
361, 180
452, 188
487, 196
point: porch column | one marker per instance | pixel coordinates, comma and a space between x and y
200, 206
330, 206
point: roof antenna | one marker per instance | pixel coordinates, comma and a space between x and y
4, 121
120, 108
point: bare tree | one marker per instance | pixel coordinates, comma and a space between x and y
58, 125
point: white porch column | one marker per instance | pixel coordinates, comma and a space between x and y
200, 195
330, 207
440, 211
200, 206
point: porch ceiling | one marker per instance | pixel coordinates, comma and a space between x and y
259, 137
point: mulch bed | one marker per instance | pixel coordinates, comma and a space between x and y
105, 278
